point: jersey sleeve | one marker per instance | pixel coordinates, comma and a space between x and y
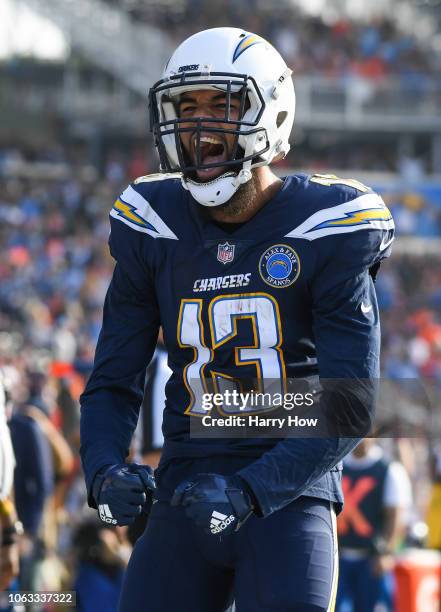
347, 334
111, 401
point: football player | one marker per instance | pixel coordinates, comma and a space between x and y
252, 277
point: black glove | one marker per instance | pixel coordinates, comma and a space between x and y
122, 491
219, 504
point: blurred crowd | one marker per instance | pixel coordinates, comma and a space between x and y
312, 45
54, 272
55, 266
409, 293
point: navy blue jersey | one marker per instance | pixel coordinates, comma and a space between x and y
286, 294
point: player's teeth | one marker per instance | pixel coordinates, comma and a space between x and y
210, 140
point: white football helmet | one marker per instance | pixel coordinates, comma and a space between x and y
236, 62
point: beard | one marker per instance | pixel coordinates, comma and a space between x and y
242, 200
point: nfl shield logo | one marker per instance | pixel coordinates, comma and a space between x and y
225, 252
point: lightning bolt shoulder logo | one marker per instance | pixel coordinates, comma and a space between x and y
365, 212
358, 217
127, 211
135, 211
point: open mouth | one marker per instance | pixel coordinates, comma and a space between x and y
213, 150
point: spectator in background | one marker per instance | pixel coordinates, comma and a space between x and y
33, 485
101, 559
44, 461
414, 215
377, 499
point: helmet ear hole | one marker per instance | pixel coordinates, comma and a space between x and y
281, 118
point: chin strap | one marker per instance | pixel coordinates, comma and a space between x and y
219, 190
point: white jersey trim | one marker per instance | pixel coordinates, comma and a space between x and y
365, 212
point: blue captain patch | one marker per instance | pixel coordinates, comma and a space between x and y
279, 266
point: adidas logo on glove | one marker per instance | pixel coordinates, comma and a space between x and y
220, 521
106, 515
